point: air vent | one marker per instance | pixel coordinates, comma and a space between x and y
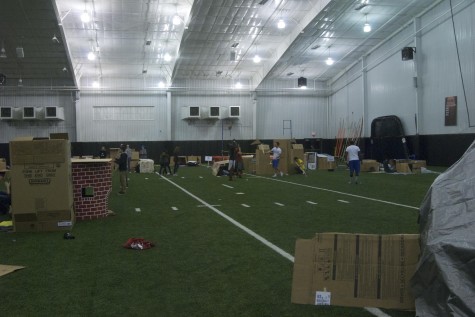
54, 113
29, 113
191, 112
6, 113
214, 111
234, 111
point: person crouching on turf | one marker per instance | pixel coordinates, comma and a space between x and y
299, 166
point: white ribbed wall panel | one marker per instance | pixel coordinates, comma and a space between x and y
346, 108
307, 114
391, 91
212, 129
38, 128
444, 79
122, 117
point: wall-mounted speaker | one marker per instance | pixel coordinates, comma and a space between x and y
407, 53
302, 82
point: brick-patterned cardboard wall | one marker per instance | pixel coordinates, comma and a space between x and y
96, 175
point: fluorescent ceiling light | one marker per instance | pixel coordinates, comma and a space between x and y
281, 24
256, 59
176, 20
91, 56
167, 57
329, 61
85, 17
238, 85
161, 84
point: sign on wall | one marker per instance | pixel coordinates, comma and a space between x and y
451, 110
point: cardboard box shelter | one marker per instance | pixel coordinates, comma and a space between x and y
369, 166
325, 162
41, 184
357, 270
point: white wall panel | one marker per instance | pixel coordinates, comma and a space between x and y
212, 129
38, 128
347, 108
442, 76
116, 117
391, 91
307, 114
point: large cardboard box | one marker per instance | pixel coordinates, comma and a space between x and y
369, 166
357, 270
325, 162
3, 165
40, 175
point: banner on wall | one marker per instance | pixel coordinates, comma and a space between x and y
451, 110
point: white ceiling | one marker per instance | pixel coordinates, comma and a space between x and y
200, 47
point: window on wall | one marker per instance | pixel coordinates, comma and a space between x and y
135, 113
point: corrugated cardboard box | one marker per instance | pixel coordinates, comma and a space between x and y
41, 183
325, 162
3, 164
357, 270
369, 166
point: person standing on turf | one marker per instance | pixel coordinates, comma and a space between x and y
353, 160
276, 152
232, 158
122, 162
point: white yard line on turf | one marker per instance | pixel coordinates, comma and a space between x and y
137, 210
337, 192
244, 205
279, 204
343, 201
375, 311
227, 186
234, 222
174, 208
311, 202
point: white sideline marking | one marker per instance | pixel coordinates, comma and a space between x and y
311, 202
201, 206
337, 192
237, 224
278, 204
343, 201
227, 186
377, 312
239, 193
244, 205
174, 208
138, 210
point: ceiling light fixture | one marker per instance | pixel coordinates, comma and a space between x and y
91, 56
161, 84
256, 59
281, 24
176, 20
167, 57
95, 84
238, 85
85, 17
366, 27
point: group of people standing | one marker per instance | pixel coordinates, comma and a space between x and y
164, 162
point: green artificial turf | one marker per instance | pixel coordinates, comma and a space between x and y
202, 264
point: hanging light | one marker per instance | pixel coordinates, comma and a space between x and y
3, 53
281, 24
238, 85
167, 57
85, 17
367, 26
91, 56
161, 84
96, 84
256, 59
176, 20
329, 61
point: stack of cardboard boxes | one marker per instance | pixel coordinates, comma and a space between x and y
286, 164
41, 185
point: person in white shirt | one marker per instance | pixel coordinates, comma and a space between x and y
353, 160
276, 152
